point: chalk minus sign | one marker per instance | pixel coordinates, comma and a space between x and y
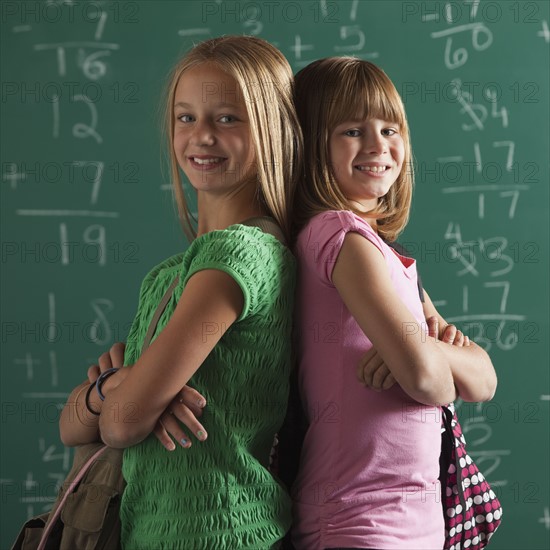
449, 159
36, 500
193, 32
95, 45
45, 395
78, 213
479, 188
486, 317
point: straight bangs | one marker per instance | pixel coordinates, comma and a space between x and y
369, 93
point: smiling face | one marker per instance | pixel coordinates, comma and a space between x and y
366, 158
212, 141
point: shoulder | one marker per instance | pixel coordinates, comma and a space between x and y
262, 266
240, 243
320, 241
170, 266
334, 225
331, 218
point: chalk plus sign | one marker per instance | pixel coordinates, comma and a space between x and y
545, 33
298, 46
13, 176
29, 362
30, 482
546, 518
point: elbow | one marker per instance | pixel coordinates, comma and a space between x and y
111, 440
119, 434
491, 387
64, 434
488, 390
66, 438
71, 436
484, 390
115, 439
486, 385
69, 433
433, 384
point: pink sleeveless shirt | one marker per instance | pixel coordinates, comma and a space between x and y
370, 462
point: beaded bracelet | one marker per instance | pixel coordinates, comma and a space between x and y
102, 377
87, 400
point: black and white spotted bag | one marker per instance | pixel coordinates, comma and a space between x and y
472, 510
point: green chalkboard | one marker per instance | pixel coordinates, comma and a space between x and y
87, 208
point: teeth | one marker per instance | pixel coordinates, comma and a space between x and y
207, 161
373, 168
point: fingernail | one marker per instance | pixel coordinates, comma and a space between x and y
170, 446
201, 403
201, 435
184, 441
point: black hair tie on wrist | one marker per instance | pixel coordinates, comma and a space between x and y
87, 399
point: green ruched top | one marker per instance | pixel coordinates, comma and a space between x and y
218, 494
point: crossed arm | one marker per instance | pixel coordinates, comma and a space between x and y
470, 366
443, 362
186, 408
474, 377
152, 385
418, 364
472, 369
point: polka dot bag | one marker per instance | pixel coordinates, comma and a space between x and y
472, 510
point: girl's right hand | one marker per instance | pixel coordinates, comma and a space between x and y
184, 409
373, 372
114, 358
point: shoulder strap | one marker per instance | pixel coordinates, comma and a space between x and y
265, 223
54, 514
158, 312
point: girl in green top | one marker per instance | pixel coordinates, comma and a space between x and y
232, 130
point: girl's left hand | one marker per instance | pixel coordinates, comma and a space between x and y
448, 334
373, 372
184, 409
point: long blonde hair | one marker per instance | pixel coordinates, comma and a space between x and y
266, 81
328, 92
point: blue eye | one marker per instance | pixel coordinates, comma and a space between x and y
185, 118
227, 118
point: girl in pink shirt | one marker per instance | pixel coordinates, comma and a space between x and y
369, 468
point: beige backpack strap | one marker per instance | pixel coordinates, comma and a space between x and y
267, 225
158, 312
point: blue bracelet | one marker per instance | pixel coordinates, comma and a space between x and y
102, 377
